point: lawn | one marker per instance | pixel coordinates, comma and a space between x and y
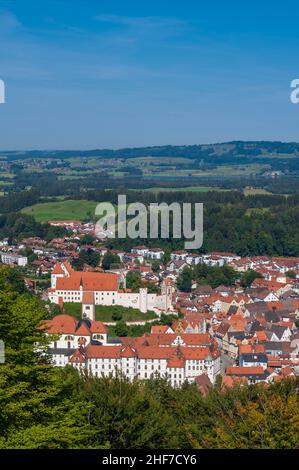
62, 210
104, 313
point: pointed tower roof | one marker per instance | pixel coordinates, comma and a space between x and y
58, 269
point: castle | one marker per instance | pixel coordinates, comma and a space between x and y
101, 288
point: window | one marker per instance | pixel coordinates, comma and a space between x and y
98, 337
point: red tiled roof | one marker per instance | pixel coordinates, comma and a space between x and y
166, 339
78, 357
90, 281
88, 298
66, 324
61, 324
159, 329
57, 269
98, 327
176, 362
238, 370
128, 351
83, 330
145, 352
95, 351
229, 381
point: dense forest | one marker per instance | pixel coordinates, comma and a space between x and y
247, 225
257, 225
16, 226
52, 408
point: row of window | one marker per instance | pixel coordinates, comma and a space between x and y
78, 294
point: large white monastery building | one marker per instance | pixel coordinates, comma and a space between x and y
97, 288
178, 357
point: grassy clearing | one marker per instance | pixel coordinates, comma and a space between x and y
260, 210
105, 313
255, 191
62, 210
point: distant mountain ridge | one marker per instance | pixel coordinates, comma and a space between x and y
227, 149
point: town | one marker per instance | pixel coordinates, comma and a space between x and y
243, 330
149, 233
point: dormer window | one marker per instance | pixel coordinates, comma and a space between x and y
69, 338
98, 337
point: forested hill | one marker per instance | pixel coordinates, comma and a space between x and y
228, 150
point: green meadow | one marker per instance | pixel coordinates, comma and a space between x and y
62, 210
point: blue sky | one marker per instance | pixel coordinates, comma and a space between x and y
94, 74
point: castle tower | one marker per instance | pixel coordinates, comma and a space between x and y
167, 290
56, 273
88, 306
143, 304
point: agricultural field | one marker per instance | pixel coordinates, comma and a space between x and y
200, 167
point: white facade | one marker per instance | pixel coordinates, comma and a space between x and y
133, 363
178, 256
193, 259
141, 300
155, 253
11, 258
85, 346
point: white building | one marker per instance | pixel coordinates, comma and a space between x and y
155, 253
85, 345
13, 258
179, 255
177, 364
91, 288
140, 250
193, 258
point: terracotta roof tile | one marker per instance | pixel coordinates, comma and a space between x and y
89, 281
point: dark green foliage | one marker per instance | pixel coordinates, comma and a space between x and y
184, 280
156, 266
291, 274
110, 260
16, 226
86, 256
121, 329
11, 280
87, 239
134, 282
249, 276
214, 275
